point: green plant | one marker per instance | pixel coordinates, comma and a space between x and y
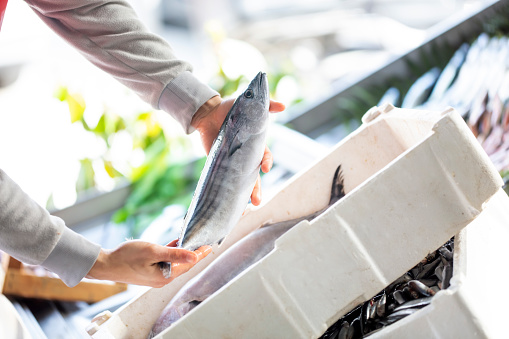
159, 182
108, 125
163, 178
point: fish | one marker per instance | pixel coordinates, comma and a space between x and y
406, 295
235, 260
419, 92
231, 169
449, 73
230, 172
391, 96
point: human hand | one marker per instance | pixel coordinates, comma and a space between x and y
208, 121
136, 262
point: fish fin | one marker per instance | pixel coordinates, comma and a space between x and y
234, 146
338, 188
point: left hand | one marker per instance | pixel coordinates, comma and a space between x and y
136, 262
208, 121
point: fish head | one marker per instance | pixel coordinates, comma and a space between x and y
251, 111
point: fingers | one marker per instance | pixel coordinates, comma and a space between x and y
267, 160
135, 262
276, 106
175, 255
256, 196
180, 268
203, 251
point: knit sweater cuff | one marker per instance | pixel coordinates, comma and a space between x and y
183, 96
72, 258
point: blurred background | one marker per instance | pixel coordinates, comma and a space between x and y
68, 131
112, 167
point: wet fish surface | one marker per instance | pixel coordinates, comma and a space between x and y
406, 295
234, 261
230, 172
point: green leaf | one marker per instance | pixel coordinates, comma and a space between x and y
77, 107
120, 125
120, 216
100, 128
61, 93
86, 176
110, 169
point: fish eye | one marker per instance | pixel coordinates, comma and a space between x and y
249, 93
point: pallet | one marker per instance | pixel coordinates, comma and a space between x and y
21, 282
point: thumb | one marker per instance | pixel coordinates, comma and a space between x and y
175, 255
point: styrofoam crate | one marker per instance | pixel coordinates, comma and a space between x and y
474, 305
413, 180
11, 322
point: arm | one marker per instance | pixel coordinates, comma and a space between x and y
30, 234
110, 35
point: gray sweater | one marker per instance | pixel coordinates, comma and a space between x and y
110, 35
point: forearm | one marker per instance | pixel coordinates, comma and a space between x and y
110, 35
30, 234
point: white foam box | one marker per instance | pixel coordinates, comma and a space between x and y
11, 322
474, 306
413, 180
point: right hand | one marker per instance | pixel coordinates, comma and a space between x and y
208, 120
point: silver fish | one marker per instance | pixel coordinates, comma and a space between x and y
234, 261
230, 171
222, 270
420, 90
449, 74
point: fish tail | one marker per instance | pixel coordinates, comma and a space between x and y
338, 188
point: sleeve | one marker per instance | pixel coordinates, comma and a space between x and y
30, 234
110, 35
